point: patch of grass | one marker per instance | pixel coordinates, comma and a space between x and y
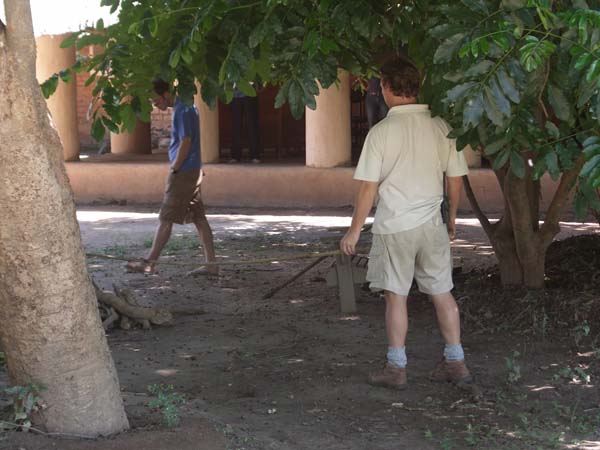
178, 243
513, 368
167, 402
114, 250
576, 374
238, 441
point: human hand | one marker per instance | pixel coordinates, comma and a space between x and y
451, 227
348, 242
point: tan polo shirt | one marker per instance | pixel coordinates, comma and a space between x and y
407, 153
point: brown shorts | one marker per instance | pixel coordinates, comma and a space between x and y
182, 202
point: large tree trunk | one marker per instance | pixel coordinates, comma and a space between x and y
50, 329
518, 240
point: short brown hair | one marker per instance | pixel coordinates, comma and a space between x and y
401, 77
160, 86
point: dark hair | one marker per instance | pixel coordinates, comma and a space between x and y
160, 86
402, 77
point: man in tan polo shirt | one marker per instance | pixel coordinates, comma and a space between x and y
403, 161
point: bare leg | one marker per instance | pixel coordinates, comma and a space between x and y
448, 317
396, 319
206, 237
161, 237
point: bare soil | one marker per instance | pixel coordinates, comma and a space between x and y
289, 372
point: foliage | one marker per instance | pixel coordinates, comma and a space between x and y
167, 402
518, 80
25, 401
224, 44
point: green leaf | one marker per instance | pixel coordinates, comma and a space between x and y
512, 5
246, 88
135, 28
479, 68
477, 6
186, 56
153, 26
552, 163
296, 99
491, 109
559, 103
498, 97
458, 92
69, 41
98, 129
174, 57
472, 111
100, 25
552, 129
128, 117
508, 86
49, 86
495, 147
583, 61
448, 48
65, 75
593, 71
110, 124
282, 94
517, 164
501, 159
539, 168
589, 166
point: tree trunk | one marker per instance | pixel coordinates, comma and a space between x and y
50, 326
519, 243
503, 242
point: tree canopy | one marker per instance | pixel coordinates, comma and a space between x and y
518, 80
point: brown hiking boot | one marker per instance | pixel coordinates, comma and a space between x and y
390, 377
452, 371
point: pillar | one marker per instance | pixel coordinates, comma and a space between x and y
209, 129
328, 132
138, 142
63, 103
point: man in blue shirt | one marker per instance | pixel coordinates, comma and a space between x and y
182, 202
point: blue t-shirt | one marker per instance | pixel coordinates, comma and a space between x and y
185, 123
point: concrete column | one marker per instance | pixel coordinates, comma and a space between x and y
472, 157
328, 128
138, 142
209, 129
63, 103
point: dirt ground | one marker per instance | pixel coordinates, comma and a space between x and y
289, 372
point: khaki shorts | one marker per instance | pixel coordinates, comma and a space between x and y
422, 253
182, 202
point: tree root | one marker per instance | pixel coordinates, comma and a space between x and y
123, 307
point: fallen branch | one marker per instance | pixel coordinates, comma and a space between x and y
122, 302
273, 291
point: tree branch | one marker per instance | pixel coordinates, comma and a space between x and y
485, 223
567, 180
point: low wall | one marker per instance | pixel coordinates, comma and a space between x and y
240, 185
